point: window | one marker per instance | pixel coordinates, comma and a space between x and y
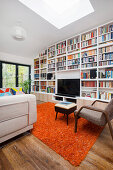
23, 74
12, 74
8, 75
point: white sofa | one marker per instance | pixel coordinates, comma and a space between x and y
17, 115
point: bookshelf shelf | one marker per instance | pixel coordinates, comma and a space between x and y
105, 33
88, 79
89, 39
61, 48
61, 63
73, 44
87, 52
73, 61
105, 79
51, 52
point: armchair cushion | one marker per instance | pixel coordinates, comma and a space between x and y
109, 109
93, 116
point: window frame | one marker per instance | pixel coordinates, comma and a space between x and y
16, 64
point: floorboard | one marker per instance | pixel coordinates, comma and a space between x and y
28, 152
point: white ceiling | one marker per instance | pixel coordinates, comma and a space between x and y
40, 33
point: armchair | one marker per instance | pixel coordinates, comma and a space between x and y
95, 115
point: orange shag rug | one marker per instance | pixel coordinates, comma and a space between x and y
60, 137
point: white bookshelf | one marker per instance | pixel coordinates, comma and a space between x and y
81, 45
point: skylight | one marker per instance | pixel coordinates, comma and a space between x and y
60, 13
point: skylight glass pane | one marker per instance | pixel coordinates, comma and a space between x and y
60, 12
60, 6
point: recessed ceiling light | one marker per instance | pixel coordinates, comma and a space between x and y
60, 12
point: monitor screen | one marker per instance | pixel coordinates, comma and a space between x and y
68, 87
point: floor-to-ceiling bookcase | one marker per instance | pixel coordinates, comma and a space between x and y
91, 50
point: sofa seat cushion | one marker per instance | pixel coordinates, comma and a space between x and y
12, 111
13, 125
93, 116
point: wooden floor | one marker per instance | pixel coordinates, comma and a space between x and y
28, 152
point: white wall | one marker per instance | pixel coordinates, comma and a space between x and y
71, 74
18, 59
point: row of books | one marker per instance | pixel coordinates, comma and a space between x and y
74, 61
74, 56
89, 94
43, 65
36, 66
73, 67
61, 45
36, 76
73, 47
51, 69
36, 83
85, 75
73, 41
43, 76
60, 59
106, 37
43, 70
107, 73
89, 59
61, 51
43, 89
35, 88
89, 35
43, 61
63, 63
61, 68
50, 90
88, 65
89, 84
51, 54
108, 84
36, 63
89, 53
43, 53
51, 83
51, 61
106, 49
105, 63
36, 71
89, 43
108, 56
51, 49
43, 83
105, 29
51, 65
105, 95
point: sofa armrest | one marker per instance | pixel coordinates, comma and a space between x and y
32, 108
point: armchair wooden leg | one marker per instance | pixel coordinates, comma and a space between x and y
110, 128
